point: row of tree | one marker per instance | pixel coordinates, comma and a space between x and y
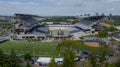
9, 61
67, 47
58, 19
115, 20
12, 60
104, 33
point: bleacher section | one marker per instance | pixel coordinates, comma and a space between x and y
41, 30
27, 25
74, 30
94, 39
30, 23
28, 20
88, 22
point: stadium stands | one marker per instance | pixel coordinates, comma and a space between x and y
26, 24
28, 20
88, 22
94, 39
42, 29
74, 30
38, 30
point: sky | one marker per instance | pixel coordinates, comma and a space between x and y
59, 7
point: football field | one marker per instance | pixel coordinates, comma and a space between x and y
41, 48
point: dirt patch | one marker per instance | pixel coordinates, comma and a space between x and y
92, 44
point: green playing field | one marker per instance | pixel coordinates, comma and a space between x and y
40, 48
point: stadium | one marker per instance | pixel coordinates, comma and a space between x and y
48, 34
26, 26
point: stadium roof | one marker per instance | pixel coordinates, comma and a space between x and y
88, 22
27, 19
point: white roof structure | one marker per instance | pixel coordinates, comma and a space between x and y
46, 60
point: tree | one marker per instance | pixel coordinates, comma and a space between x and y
117, 64
6, 65
12, 60
27, 56
108, 65
28, 64
52, 63
67, 47
103, 57
29, 39
102, 33
93, 60
2, 58
9, 60
111, 29
69, 59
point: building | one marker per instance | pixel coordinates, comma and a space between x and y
26, 26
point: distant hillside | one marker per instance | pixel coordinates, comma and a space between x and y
71, 19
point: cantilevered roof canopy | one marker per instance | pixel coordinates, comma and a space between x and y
88, 22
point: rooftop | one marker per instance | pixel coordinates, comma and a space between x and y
88, 22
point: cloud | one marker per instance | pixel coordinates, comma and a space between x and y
58, 7
105, 1
20, 3
113, 0
16, 3
59, 4
110, 9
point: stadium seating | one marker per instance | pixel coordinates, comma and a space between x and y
28, 20
74, 30
41, 31
94, 39
88, 22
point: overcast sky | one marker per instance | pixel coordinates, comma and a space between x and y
59, 7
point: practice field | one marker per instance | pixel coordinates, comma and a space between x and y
40, 49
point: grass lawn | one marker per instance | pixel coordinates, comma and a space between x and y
40, 49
